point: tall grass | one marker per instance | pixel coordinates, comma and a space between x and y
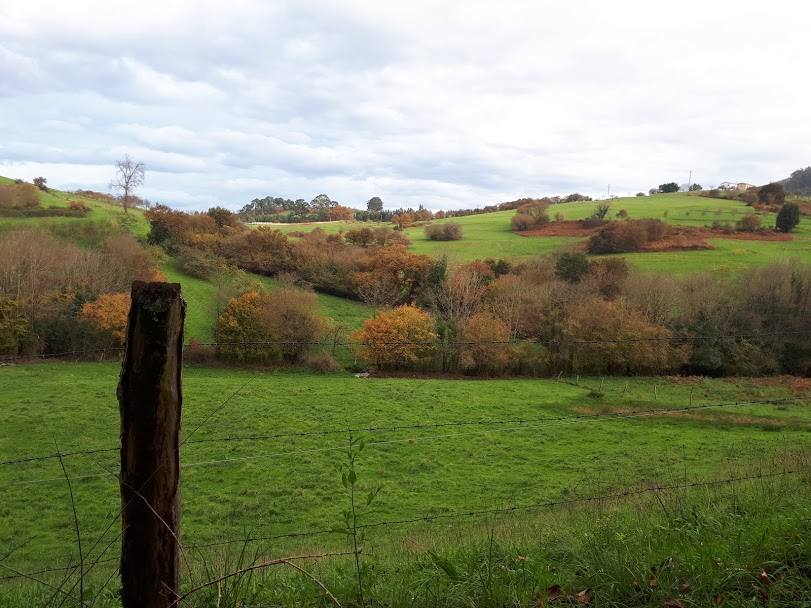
743, 544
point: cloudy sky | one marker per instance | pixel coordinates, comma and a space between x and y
445, 103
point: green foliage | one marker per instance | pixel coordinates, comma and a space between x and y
571, 267
668, 187
788, 217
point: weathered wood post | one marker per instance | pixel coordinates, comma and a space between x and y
149, 397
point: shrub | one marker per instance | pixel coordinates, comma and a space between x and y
521, 222
108, 314
323, 363
78, 206
622, 214
640, 194
750, 198
788, 217
18, 196
449, 231
748, 223
13, 326
571, 267
401, 337
669, 187
601, 336
601, 212
368, 237
200, 264
608, 276
485, 347
266, 327
623, 237
559, 217
771, 194
199, 354
41, 183
530, 215
390, 276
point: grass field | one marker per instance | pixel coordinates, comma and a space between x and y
99, 212
201, 311
283, 485
489, 235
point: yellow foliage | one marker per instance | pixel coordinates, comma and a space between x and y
399, 337
109, 313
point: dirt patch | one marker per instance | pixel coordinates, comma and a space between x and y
678, 238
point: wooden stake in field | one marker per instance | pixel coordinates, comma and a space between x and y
150, 396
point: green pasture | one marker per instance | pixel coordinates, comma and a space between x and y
282, 485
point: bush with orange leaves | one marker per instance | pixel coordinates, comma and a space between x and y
401, 337
485, 345
609, 337
390, 275
282, 325
108, 314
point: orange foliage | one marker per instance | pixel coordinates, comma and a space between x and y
340, 212
485, 344
390, 275
401, 337
602, 336
109, 313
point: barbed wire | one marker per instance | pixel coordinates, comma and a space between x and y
537, 506
503, 423
604, 417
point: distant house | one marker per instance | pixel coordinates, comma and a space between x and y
740, 186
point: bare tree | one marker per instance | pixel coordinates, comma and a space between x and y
129, 175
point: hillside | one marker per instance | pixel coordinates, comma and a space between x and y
104, 219
489, 235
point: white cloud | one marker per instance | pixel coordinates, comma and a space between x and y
443, 103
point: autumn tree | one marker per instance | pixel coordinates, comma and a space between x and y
339, 212
108, 313
282, 325
390, 275
484, 345
401, 337
608, 337
129, 175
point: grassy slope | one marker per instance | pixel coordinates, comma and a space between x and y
100, 212
489, 235
283, 485
201, 313
199, 293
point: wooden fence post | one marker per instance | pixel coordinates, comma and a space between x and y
149, 397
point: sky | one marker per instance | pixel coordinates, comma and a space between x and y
448, 104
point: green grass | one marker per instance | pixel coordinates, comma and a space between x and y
283, 485
201, 311
489, 235
100, 212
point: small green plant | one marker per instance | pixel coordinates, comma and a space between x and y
357, 507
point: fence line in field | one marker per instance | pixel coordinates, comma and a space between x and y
438, 343
585, 418
537, 506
